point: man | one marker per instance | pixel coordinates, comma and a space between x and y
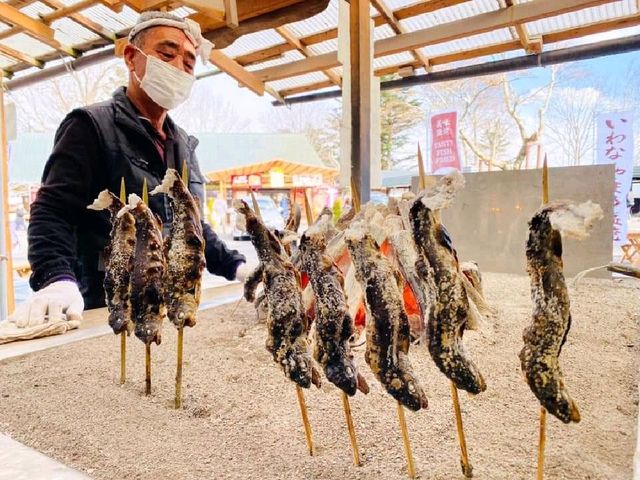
129, 136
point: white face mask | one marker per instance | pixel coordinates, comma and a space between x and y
167, 86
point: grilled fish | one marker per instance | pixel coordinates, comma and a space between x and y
387, 328
544, 338
450, 314
148, 308
184, 252
287, 324
118, 258
333, 324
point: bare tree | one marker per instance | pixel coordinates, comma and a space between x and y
571, 123
208, 111
41, 107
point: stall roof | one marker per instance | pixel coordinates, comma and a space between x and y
288, 47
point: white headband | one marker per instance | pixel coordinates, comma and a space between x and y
190, 28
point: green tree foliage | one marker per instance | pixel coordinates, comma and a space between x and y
401, 111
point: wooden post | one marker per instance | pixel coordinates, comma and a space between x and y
539, 156
361, 78
545, 182
6, 255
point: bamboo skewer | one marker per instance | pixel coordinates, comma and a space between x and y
467, 469
411, 469
123, 335
147, 351
541, 442
352, 431
178, 397
305, 419
543, 411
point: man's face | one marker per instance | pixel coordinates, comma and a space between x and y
168, 44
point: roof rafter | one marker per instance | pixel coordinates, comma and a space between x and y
485, 22
529, 43
397, 27
72, 13
34, 28
548, 38
409, 11
285, 33
23, 57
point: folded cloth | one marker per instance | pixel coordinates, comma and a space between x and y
9, 332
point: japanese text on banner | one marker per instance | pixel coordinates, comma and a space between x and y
615, 145
443, 128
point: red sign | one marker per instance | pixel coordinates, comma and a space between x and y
444, 142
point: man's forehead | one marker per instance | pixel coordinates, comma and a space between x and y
161, 33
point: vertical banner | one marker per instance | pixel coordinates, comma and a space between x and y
443, 130
615, 145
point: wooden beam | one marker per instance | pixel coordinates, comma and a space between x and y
486, 22
66, 11
361, 69
419, 8
285, 33
231, 13
10, 52
287, 92
236, 71
33, 28
530, 44
397, 27
80, 19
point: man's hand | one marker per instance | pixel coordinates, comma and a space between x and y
243, 271
49, 304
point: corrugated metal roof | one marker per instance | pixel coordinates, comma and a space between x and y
299, 80
318, 23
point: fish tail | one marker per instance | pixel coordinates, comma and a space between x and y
104, 201
169, 180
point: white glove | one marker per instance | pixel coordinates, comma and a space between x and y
243, 271
49, 304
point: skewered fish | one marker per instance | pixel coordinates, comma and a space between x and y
118, 255
184, 252
450, 314
287, 323
387, 327
544, 338
148, 309
333, 324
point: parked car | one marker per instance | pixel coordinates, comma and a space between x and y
270, 216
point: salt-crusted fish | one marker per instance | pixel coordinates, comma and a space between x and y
184, 252
450, 314
118, 258
333, 324
388, 336
544, 338
287, 324
148, 308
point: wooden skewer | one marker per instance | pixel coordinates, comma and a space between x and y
411, 469
543, 411
467, 470
178, 399
307, 208
305, 419
545, 181
541, 442
179, 368
147, 351
423, 178
123, 335
147, 369
256, 206
352, 430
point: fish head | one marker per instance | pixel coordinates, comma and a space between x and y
183, 311
343, 374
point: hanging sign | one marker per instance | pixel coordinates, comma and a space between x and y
615, 145
443, 129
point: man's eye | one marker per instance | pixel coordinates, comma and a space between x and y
166, 55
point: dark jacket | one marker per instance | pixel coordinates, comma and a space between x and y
94, 148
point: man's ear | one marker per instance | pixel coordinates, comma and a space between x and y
129, 53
